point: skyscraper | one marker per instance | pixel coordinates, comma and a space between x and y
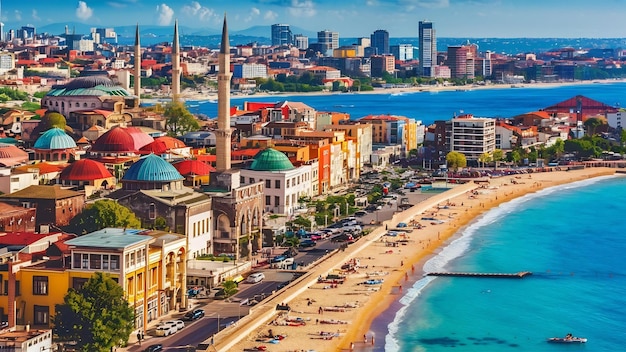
281, 35
428, 49
328, 41
380, 41
301, 41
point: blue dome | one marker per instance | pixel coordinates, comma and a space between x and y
152, 168
55, 138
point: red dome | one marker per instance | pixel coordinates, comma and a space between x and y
140, 137
115, 140
195, 167
162, 145
85, 170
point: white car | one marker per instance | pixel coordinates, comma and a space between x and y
255, 277
166, 330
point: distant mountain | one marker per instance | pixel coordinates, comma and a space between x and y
266, 32
127, 31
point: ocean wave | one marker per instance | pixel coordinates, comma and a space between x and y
460, 246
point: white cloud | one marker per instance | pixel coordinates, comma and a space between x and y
165, 14
270, 15
83, 11
36, 16
198, 11
18, 15
305, 8
428, 4
254, 12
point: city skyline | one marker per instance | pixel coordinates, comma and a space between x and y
452, 18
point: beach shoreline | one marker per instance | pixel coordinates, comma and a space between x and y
189, 95
400, 265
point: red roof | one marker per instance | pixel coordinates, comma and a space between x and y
22, 238
209, 158
162, 145
85, 170
140, 137
115, 140
44, 167
193, 167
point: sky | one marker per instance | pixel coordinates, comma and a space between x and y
351, 18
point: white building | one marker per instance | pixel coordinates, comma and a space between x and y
472, 136
284, 183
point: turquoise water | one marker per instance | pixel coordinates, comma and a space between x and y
571, 237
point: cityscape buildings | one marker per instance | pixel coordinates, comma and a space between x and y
427, 48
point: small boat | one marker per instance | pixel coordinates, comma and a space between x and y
567, 339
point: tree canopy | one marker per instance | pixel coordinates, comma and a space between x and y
101, 214
96, 317
456, 160
179, 120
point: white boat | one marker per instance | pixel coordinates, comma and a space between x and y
567, 339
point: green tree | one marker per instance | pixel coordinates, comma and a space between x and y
101, 214
497, 156
97, 316
230, 288
591, 124
179, 120
484, 158
456, 160
515, 157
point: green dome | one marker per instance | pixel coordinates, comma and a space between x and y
271, 160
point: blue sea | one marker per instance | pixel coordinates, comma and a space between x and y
431, 106
571, 237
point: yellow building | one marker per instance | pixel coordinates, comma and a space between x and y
148, 265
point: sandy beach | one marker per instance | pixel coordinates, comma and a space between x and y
194, 95
336, 314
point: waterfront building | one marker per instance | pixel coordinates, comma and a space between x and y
427, 48
249, 70
328, 41
380, 42
402, 52
461, 61
472, 136
379, 64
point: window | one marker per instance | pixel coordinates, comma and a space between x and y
78, 282
276, 201
251, 180
115, 262
152, 212
40, 285
105, 262
268, 183
42, 315
95, 261
287, 185
277, 184
268, 200
85, 261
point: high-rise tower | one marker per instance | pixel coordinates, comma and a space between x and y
223, 132
281, 35
380, 41
428, 49
175, 64
137, 83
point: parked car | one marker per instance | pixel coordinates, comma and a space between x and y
278, 258
154, 348
165, 330
307, 243
344, 237
360, 213
255, 277
220, 294
401, 224
193, 314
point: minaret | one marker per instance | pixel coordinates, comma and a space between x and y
223, 132
175, 64
137, 84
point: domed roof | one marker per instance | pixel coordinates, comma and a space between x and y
152, 168
140, 137
193, 167
89, 85
11, 155
115, 140
162, 145
271, 160
85, 170
54, 138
